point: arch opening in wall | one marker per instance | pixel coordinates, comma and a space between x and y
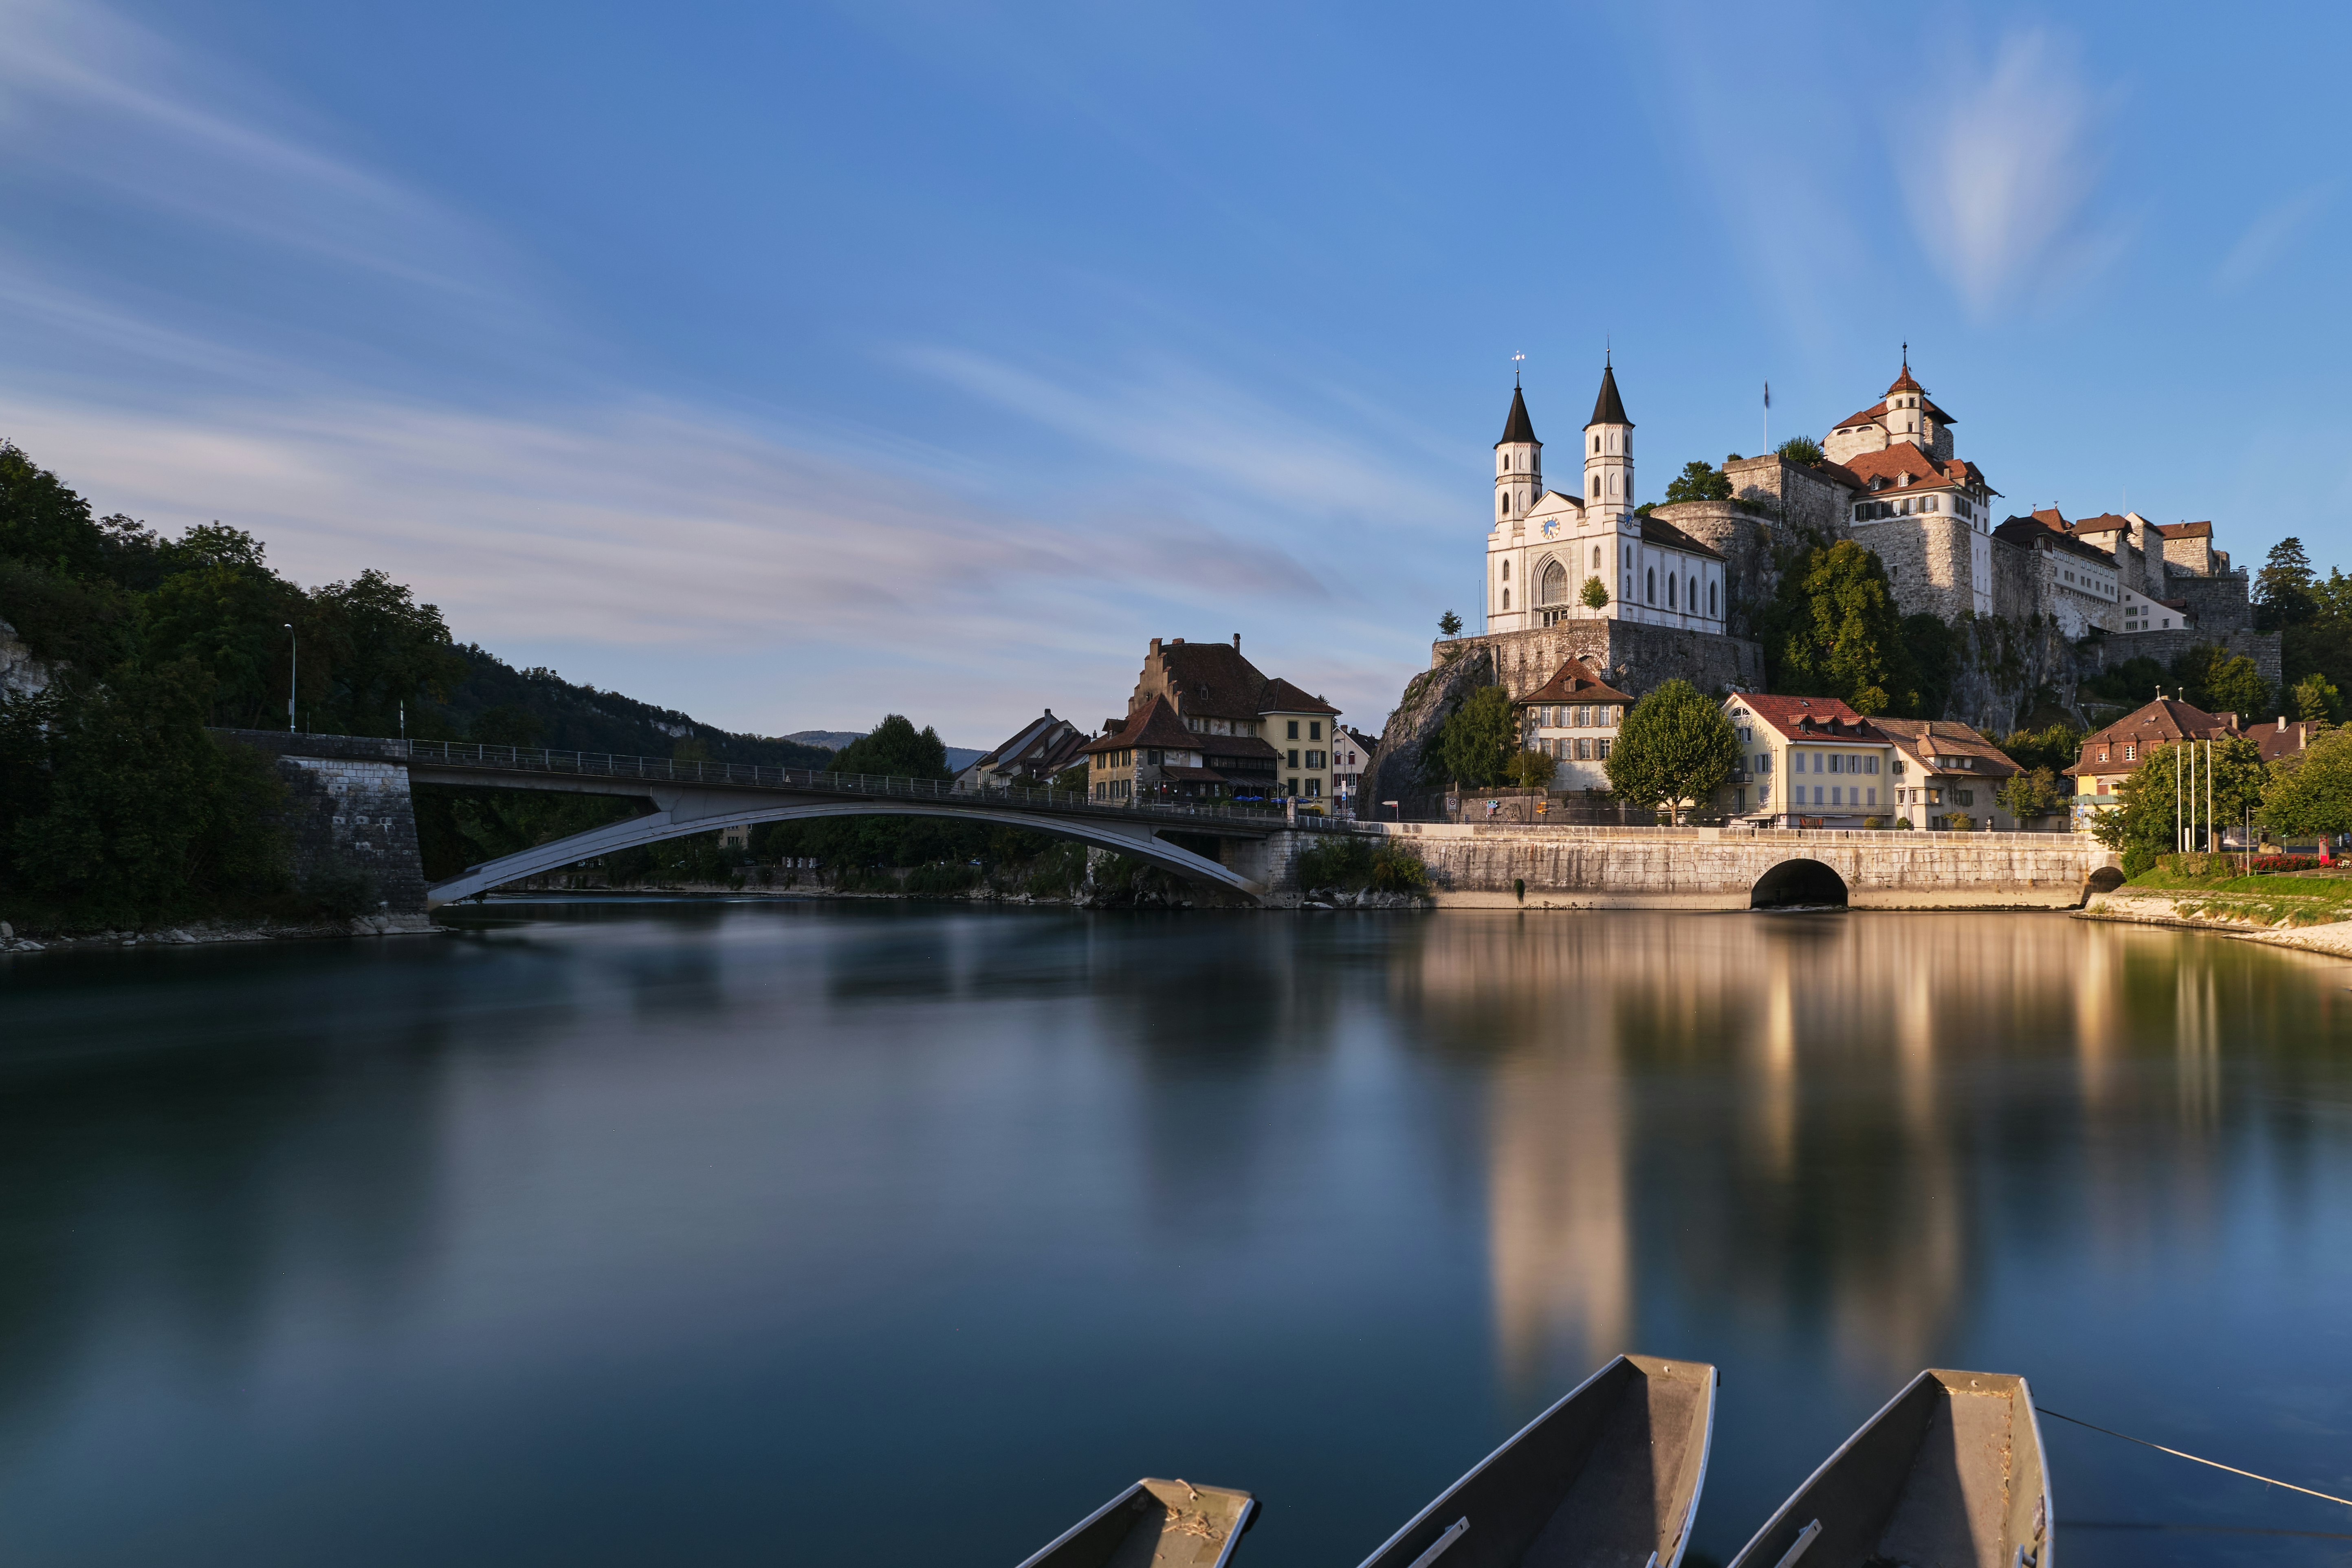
1554, 581
1797, 884
2105, 879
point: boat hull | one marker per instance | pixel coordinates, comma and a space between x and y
1154, 1524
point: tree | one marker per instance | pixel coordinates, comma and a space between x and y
1801, 449
42, 522
1449, 624
2283, 588
1596, 593
2027, 795
895, 750
1675, 746
1478, 740
2054, 748
2312, 793
1699, 480
1934, 652
1833, 630
1531, 769
2316, 700
380, 651
2235, 686
2142, 821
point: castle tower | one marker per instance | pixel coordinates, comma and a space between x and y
1519, 462
1608, 455
1909, 417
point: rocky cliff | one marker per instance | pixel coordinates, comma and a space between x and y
1429, 700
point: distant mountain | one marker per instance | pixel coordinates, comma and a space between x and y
963, 757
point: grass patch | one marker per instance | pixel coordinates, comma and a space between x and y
2271, 900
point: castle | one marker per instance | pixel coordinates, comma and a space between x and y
1607, 577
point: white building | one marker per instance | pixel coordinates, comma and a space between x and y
1550, 555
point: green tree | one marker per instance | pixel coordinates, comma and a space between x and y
1801, 449
1833, 630
2283, 588
2312, 793
2030, 795
1596, 593
895, 749
1478, 740
1676, 746
45, 522
2235, 686
1699, 480
1934, 652
1531, 769
2317, 700
2142, 821
1449, 624
2056, 748
380, 651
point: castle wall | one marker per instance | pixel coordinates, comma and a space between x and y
1927, 559
1629, 655
2164, 646
2220, 605
1800, 496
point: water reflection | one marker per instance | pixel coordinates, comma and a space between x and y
603, 1233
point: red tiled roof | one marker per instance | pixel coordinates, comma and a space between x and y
1280, 697
1928, 738
1809, 718
1573, 682
2051, 517
2159, 723
2184, 530
1926, 470
1207, 677
1905, 383
1154, 724
1867, 417
2027, 534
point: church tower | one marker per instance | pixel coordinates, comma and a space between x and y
1519, 462
1608, 455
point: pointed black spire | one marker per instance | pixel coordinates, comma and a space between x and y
1608, 408
1518, 426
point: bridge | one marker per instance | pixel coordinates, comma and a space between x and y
353, 809
1229, 846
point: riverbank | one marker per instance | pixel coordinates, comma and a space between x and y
198, 933
2312, 913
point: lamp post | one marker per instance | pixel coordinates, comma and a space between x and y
293, 673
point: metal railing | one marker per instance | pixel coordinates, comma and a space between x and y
665, 770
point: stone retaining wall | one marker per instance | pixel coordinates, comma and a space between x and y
1707, 868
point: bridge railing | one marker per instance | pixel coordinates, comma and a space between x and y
666, 769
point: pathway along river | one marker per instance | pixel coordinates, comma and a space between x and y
769, 1233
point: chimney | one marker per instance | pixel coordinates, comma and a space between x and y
1155, 645
1175, 642
2282, 724
1237, 642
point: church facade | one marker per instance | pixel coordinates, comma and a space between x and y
1552, 557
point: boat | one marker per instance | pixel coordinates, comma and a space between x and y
1949, 1475
1608, 1477
1154, 1524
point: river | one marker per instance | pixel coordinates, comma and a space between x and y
802, 1233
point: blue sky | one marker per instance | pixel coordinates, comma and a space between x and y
794, 364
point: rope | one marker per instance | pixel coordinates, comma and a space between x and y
2267, 1480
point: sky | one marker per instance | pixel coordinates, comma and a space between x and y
793, 364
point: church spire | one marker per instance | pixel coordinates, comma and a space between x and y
1608, 408
1518, 426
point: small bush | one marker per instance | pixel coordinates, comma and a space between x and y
1397, 869
940, 881
342, 892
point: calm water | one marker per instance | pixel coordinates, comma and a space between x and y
782, 1234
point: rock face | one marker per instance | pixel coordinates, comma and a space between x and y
1429, 700
21, 674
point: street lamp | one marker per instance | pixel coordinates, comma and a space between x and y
293, 673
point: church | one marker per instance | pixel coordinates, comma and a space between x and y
1554, 557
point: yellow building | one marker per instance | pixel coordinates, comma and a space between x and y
1807, 762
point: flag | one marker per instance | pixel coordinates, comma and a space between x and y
1767, 395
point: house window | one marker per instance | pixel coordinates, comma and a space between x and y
1602, 750
1294, 757
1837, 795
1293, 735
1874, 797
1315, 729
2130, 753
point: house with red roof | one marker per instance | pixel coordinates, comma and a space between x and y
1205, 723
1807, 762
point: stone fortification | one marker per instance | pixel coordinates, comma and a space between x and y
2117, 648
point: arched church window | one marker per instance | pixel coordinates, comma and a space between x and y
1596, 487
1596, 558
1506, 598
1596, 445
1506, 570
1670, 590
1649, 583
1710, 598
1555, 584
1691, 599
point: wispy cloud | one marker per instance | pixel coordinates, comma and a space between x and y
2266, 238
1999, 165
